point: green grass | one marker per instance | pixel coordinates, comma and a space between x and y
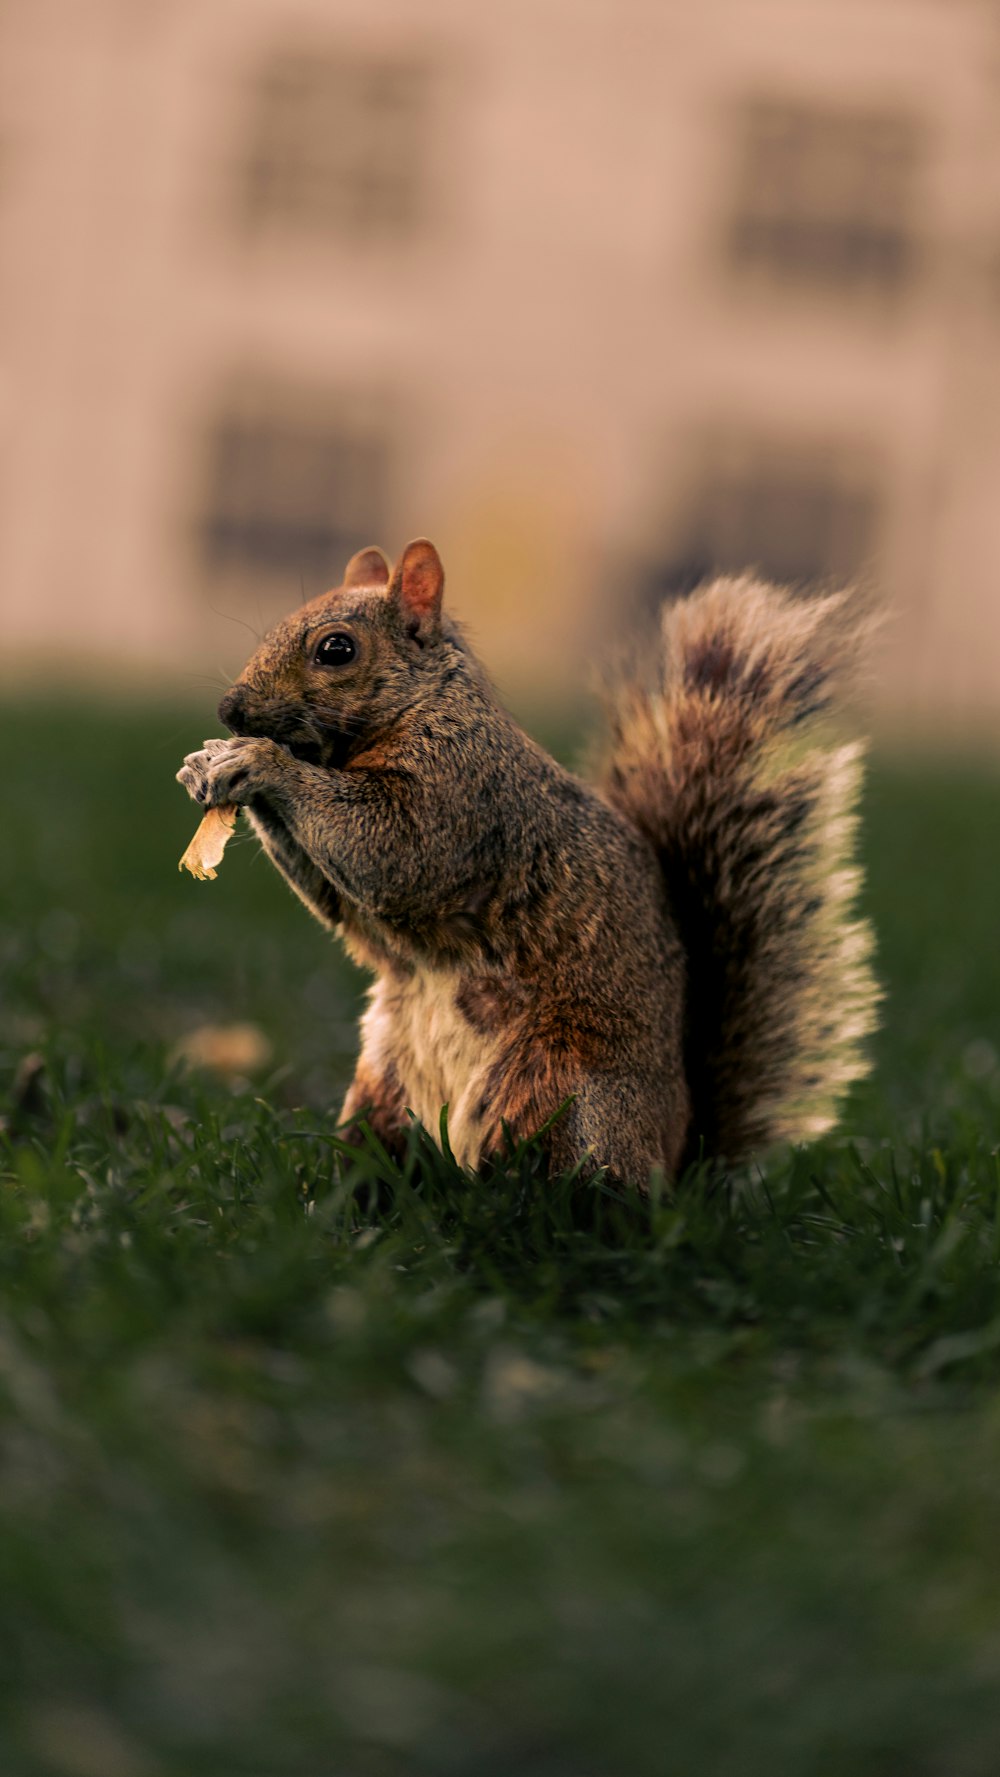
468, 1477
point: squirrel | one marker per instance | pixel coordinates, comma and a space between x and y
661, 967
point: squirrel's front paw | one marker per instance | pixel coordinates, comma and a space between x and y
227, 771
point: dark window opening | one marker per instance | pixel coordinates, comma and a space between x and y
338, 146
800, 514
826, 197
292, 489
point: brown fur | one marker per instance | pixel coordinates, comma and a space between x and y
490, 1002
379, 1100
669, 954
721, 759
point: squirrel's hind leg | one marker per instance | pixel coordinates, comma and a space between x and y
375, 1096
615, 1123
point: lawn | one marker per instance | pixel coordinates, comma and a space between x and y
448, 1477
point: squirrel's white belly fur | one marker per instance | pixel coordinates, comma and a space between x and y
416, 1028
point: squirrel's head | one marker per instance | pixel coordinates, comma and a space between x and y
349, 663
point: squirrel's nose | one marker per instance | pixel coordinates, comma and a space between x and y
232, 710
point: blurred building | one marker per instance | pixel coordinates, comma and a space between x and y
601, 294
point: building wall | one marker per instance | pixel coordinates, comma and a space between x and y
599, 296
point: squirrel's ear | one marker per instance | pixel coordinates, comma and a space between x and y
368, 568
416, 588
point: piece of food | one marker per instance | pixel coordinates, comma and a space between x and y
209, 843
230, 1050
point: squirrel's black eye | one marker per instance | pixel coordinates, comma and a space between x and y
335, 650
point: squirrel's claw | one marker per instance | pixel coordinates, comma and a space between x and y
226, 771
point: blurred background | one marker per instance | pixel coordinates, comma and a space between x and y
601, 296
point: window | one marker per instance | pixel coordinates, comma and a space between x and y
825, 197
800, 513
338, 146
293, 485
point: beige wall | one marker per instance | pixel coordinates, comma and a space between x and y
562, 356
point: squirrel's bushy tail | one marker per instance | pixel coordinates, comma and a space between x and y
724, 762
